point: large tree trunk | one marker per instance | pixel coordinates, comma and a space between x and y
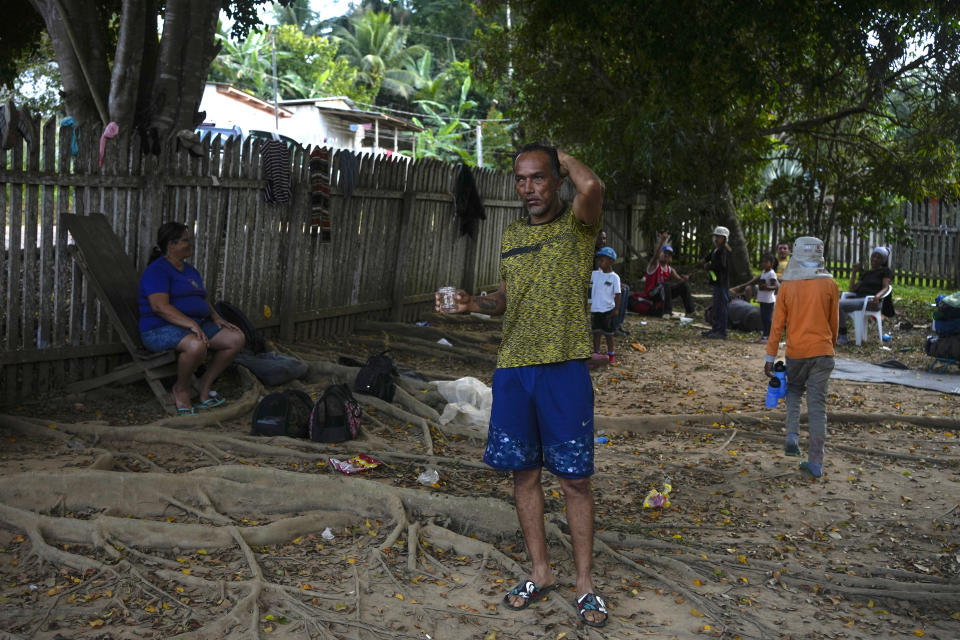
186, 50
127, 63
740, 270
151, 83
79, 33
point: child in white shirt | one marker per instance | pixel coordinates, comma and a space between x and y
604, 301
767, 285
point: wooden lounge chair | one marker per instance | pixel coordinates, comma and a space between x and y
113, 276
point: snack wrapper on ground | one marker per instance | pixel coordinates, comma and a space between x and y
356, 464
656, 500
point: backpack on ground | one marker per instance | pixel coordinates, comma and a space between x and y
943, 346
376, 377
233, 315
948, 307
644, 306
272, 369
284, 413
335, 416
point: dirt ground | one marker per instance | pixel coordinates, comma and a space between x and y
747, 548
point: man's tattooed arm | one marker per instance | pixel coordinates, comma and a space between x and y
493, 304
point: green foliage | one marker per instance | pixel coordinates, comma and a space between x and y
37, 83
378, 51
688, 101
446, 134
22, 33
311, 68
307, 66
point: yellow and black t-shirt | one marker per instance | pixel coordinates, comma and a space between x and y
547, 270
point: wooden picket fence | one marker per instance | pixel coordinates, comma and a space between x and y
393, 240
933, 260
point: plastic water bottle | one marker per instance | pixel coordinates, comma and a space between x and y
886, 337
601, 440
773, 392
780, 370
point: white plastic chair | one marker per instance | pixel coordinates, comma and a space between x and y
860, 317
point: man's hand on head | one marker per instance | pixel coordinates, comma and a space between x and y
562, 159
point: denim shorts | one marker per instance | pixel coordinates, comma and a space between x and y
542, 416
603, 323
168, 336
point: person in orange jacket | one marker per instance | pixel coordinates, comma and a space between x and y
808, 304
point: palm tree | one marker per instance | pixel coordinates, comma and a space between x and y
246, 64
298, 14
379, 51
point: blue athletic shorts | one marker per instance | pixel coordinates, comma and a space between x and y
542, 416
168, 336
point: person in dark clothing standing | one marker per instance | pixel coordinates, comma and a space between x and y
717, 264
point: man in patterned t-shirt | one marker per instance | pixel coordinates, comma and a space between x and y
542, 412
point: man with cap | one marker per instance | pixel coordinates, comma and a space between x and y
808, 308
605, 301
717, 264
663, 283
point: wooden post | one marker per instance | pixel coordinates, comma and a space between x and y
403, 244
626, 240
470, 266
298, 211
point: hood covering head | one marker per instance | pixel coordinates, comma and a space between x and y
807, 261
884, 253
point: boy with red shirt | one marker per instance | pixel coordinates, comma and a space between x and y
663, 283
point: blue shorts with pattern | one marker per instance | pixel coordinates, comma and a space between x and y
542, 416
168, 336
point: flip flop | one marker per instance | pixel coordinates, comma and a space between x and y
185, 411
209, 403
591, 602
529, 591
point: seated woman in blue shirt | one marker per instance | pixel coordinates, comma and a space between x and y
175, 314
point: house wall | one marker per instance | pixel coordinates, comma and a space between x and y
226, 112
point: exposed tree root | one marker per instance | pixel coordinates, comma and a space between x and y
671, 422
702, 423
429, 333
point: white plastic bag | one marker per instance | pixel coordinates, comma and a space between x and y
429, 477
469, 402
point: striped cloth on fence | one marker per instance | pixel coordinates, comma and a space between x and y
276, 171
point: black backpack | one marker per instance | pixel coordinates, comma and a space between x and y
335, 416
375, 378
943, 347
284, 413
233, 315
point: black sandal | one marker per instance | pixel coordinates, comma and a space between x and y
529, 591
591, 602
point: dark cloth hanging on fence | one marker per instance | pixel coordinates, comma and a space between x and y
349, 163
320, 193
276, 171
469, 204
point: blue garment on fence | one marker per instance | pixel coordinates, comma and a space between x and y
74, 145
